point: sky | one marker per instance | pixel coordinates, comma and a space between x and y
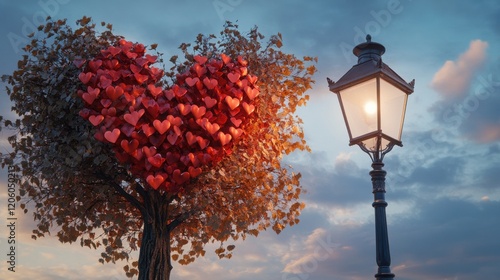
443, 185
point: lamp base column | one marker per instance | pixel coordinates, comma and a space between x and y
382, 237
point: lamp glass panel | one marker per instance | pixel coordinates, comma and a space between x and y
371, 144
360, 107
392, 106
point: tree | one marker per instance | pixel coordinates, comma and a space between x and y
82, 188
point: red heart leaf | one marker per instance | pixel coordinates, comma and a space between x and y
114, 93
243, 71
198, 112
112, 136
149, 151
210, 83
177, 121
133, 117
140, 78
156, 160
200, 59
115, 75
235, 112
85, 77
233, 77
95, 64
232, 102
128, 129
236, 132
161, 126
224, 138
96, 120
114, 50
109, 112
109, 121
200, 70
148, 130
172, 138
89, 97
248, 108
129, 146
154, 109
192, 81
209, 102
191, 138
84, 113
155, 181
251, 92
194, 172
130, 54
179, 91
194, 160
242, 61
252, 79
169, 94
180, 178
155, 91
212, 128
202, 142
236, 122
157, 140
169, 134
135, 69
151, 58
79, 62
226, 59
184, 109
104, 82
106, 103
137, 154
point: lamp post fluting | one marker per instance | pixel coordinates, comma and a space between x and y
381, 235
373, 101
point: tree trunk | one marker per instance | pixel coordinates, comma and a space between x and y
154, 255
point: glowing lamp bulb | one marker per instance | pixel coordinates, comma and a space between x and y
370, 108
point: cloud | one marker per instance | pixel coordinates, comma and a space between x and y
430, 169
474, 116
306, 253
486, 133
445, 244
62, 272
454, 78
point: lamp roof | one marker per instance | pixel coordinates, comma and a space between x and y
370, 65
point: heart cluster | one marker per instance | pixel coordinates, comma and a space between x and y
166, 135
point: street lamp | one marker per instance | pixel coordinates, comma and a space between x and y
373, 102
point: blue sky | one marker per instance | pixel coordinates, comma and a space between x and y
443, 186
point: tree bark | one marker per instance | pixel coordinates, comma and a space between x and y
154, 255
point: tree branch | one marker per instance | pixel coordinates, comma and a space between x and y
180, 219
136, 203
140, 190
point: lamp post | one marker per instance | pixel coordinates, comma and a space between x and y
373, 102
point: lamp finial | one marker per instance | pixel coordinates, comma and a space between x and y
369, 50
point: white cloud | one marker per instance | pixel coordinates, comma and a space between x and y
454, 78
353, 215
59, 272
305, 254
